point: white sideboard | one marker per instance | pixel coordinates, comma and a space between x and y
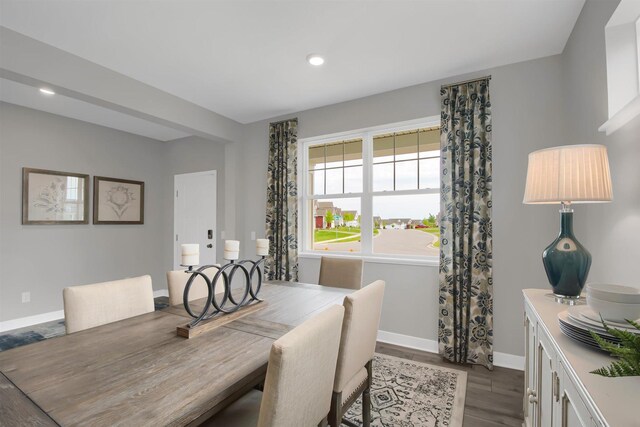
559, 390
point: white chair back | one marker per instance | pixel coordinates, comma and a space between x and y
341, 273
89, 306
359, 332
302, 363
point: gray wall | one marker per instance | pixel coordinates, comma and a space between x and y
527, 115
45, 259
614, 228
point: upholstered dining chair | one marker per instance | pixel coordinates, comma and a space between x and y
341, 273
177, 280
88, 306
357, 347
297, 389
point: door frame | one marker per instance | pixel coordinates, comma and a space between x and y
213, 172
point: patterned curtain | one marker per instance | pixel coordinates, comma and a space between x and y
282, 202
465, 327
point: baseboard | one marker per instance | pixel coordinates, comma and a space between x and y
507, 360
504, 360
408, 341
23, 322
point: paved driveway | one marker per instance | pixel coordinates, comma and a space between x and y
396, 242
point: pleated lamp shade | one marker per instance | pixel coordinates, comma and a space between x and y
571, 173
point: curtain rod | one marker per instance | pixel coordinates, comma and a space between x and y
282, 121
468, 81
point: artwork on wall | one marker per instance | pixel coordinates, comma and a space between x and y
52, 197
117, 201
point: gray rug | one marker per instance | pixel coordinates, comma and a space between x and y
411, 394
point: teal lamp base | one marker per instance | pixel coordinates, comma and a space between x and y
566, 261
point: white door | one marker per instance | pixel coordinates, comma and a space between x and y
195, 215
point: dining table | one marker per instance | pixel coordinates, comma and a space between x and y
139, 372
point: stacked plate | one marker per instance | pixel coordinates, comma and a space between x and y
614, 303
577, 321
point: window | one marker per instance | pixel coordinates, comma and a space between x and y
374, 192
622, 39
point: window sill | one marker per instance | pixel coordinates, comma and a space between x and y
622, 117
427, 262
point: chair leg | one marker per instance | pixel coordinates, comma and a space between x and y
335, 412
366, 399
366, 408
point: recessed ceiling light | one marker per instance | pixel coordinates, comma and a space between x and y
315, 59
47, 91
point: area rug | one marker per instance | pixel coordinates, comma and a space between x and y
24, 336
411, 394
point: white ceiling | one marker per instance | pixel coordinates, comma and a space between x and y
30, 97
246, 59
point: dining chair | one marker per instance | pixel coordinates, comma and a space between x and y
341, 273
297, 389
177, 280
357, 348
88, 306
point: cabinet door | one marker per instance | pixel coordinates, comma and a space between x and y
545, 379
530, 371
572, 412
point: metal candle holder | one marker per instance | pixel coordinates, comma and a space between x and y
227, 273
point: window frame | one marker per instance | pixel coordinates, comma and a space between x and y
305, 223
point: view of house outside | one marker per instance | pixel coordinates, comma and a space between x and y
405, 173
398, 227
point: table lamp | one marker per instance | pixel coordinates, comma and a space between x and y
568, 174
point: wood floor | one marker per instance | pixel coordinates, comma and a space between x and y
494, 398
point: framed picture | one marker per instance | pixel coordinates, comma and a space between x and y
52, 197
117, 201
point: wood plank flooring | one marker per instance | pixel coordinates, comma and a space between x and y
494, 398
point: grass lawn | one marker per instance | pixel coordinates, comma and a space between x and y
323, 235
357, 238
337, 233
435, 231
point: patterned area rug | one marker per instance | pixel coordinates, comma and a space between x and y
19, 337
411, 394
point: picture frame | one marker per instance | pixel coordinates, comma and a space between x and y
54, 198
117, 201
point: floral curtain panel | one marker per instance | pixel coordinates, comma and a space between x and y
465, 328
282, 202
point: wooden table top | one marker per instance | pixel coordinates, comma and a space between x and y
139, 372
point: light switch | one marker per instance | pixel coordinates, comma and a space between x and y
253, 235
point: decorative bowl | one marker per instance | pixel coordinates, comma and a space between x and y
614, 293
615, 311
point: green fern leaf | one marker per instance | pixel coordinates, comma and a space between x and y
627, 352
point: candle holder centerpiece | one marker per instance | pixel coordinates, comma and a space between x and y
223, 302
